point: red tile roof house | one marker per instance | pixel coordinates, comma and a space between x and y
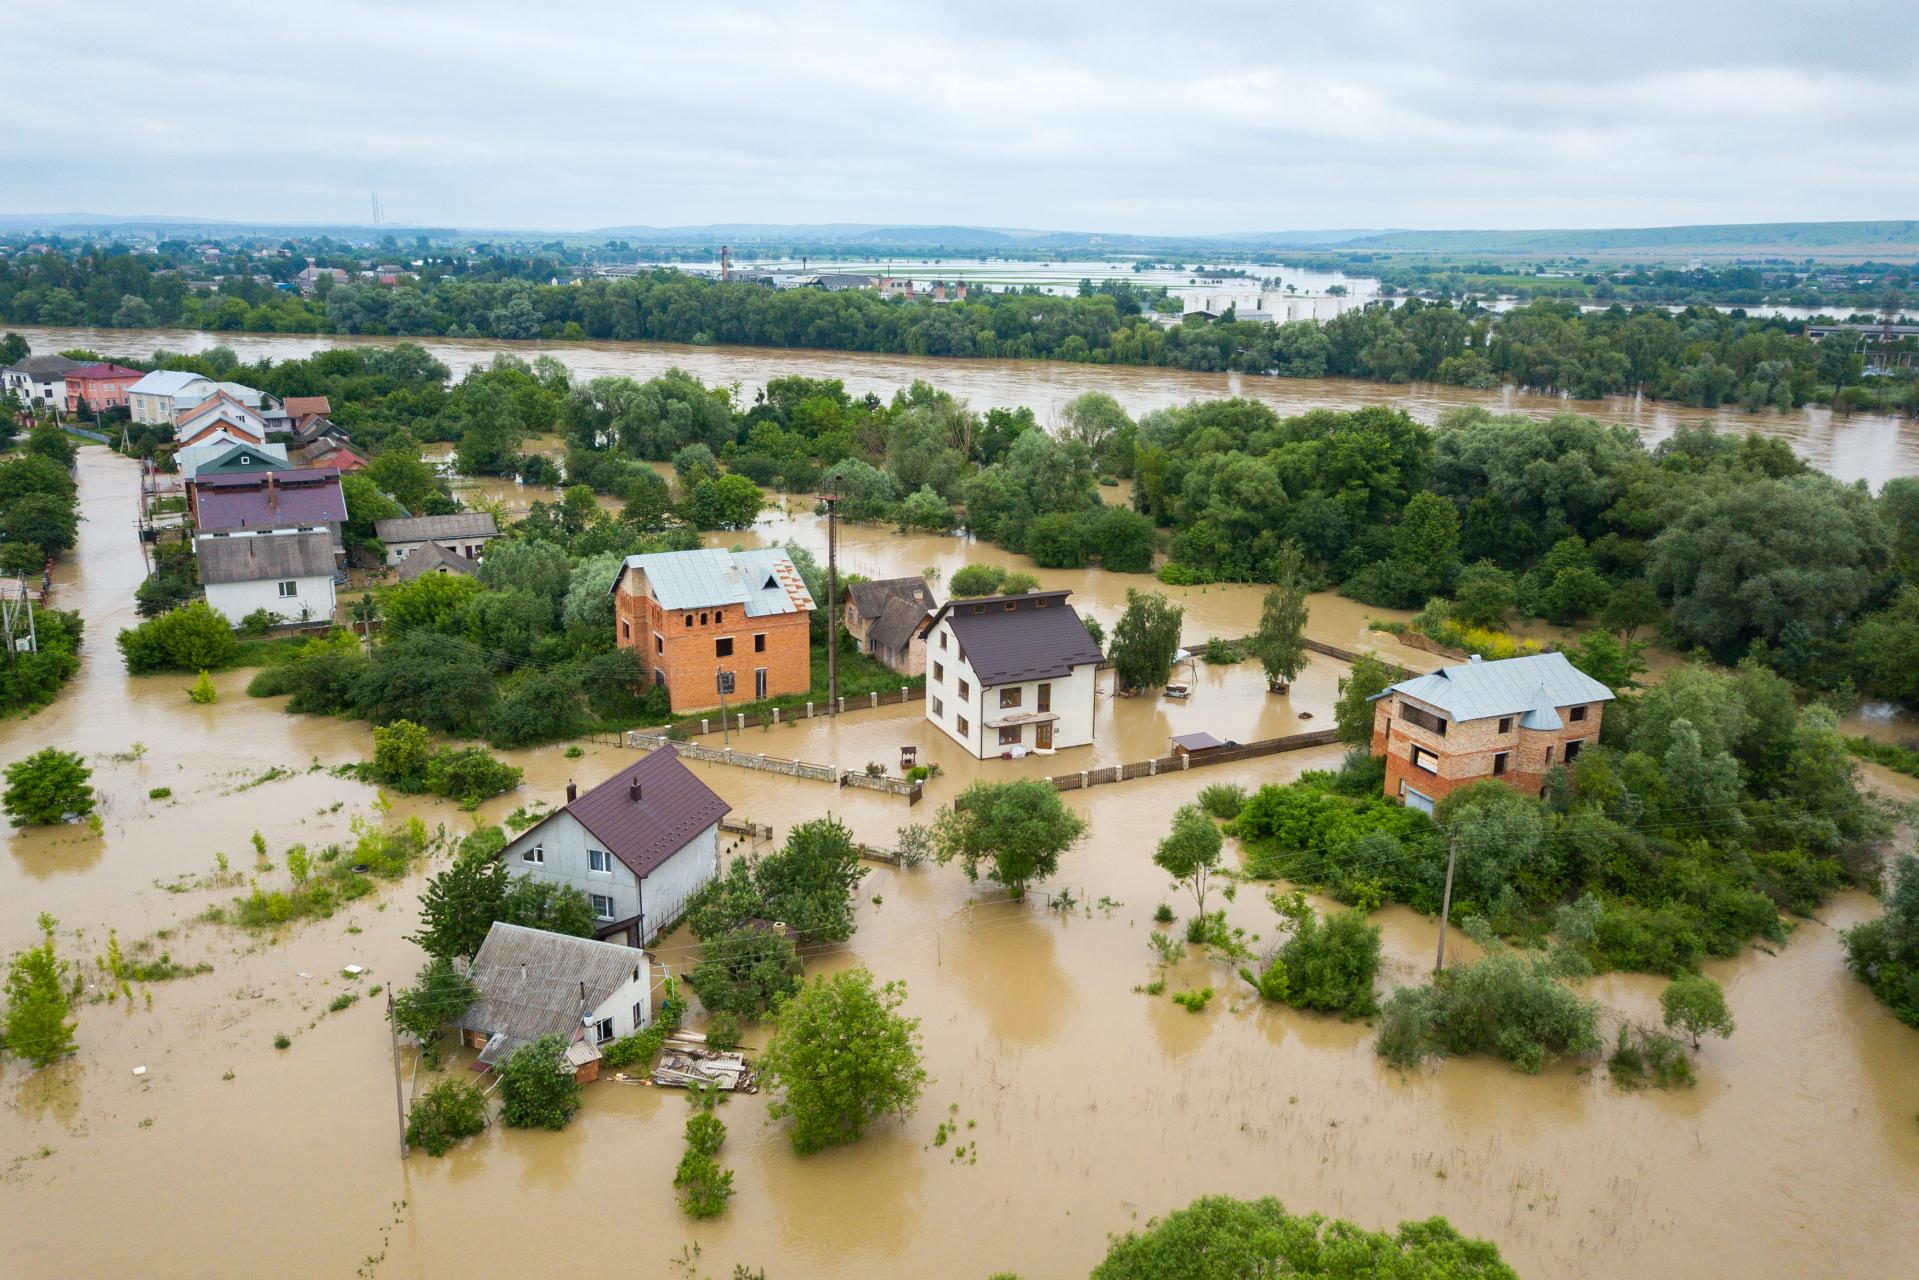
224, 503
95, 388
639, 846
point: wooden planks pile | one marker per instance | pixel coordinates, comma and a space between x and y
686, 1062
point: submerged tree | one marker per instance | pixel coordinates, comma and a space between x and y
47, 787
37, 1003
843, 1056
1280, 642
1145, 639
1015, 831
1190, 851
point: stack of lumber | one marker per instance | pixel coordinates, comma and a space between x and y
685, 1062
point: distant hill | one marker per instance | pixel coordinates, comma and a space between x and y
1786, 238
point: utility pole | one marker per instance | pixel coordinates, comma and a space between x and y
832, 501
399, 1096
1446, 900
726, 687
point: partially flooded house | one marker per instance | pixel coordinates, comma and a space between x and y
533, 983
1010, 674
884, 617
638, 846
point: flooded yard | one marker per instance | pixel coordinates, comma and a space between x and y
1096, 1106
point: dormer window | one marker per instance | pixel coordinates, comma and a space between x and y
770, 584
979, 608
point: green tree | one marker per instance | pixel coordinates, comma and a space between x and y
538, 1090
842, 1056
461, 903
37, 1003
976, 580
1219, 1238
724, 502
443, 1115
440, 994
1484, 594
401, 753
193, 638
431, 602
1015, 831
1353, 713
47, 787
746, 971
1189, 853
43, 520
1279, 643
549, 906
1145, 639
1632, 606
1884, 953
1694, 1006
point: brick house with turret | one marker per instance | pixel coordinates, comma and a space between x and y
1510, 720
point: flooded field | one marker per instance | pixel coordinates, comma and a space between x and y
1859, 447
1096, 1106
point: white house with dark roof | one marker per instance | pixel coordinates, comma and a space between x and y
533, 983
465, 533
1011, 674
639, 845
39, 381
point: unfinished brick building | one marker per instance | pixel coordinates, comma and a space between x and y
693, 615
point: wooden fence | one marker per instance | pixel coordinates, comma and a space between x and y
1179, 763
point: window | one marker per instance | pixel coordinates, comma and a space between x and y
719, 616
626, 629
759, 642
1505, 724
939, 673
942, 641
689, 619
599, 860
1045, 698
288, 590
535, 854
1426, 760
1578, 713
938, 710
1039, 604
1009, 697
965, 691
603, 1030
759, 682
1009, 606
1499, 762
1423, 718
979, 608
1010, 734
964, 728
1572, 750
1549, 755
659, 677
702, 617
723, 647
659, 643
639, 1016
602, 905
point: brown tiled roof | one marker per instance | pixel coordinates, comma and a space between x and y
1008, 639
674, 806
300, 406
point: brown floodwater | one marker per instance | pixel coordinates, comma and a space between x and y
1858, 447
1093, 1106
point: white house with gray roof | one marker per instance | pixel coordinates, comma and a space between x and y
533, 983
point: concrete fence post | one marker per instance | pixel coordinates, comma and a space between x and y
903, 692
742, 719
842, 704
1186, 761
1152, 767
704, 726
809, 709
776, 715
1082, 780
874, 698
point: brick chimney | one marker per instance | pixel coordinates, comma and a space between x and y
572, 792
633, 790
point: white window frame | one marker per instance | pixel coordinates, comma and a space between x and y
604, 859
603, 1030
597, 899
289, 590
534, 853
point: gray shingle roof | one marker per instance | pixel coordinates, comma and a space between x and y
1008, 639
871, 598
530, 981
1531, 687
429, 557
466, 524
265, 557
674, 806
43, 366
764, 581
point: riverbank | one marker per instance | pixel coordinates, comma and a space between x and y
1866, 447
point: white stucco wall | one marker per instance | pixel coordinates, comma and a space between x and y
235, 600
473, 548
1074, 698
566, 843
631, 1005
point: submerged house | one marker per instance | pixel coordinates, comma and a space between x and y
884, 619
533, 983
639, 845
1009, 674
1512, 720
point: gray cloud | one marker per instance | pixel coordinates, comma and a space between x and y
1193, 117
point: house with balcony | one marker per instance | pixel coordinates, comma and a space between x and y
1512, 720
700, 618
1010, 674
96, 388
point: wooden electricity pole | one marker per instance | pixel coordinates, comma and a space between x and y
399, 1095
1446, 900
832, 501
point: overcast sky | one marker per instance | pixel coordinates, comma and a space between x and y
1183, 117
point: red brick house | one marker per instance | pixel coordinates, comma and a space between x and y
1512, 720
695, 616
95, 388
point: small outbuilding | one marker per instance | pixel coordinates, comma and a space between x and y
465, 533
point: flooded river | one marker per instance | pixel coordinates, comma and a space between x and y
1096, 1106
1860, 447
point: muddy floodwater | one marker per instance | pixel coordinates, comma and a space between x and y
1093, 1106
1859, 447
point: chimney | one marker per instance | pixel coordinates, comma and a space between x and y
273, 493
633, 790
1473, 658
572, 792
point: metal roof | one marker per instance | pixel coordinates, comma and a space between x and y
1531, 686
530, 982
235, 500
264, 557
764, 581
1196, 741
210, 457
466, 524
674, 806
167, 382
1009, 639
